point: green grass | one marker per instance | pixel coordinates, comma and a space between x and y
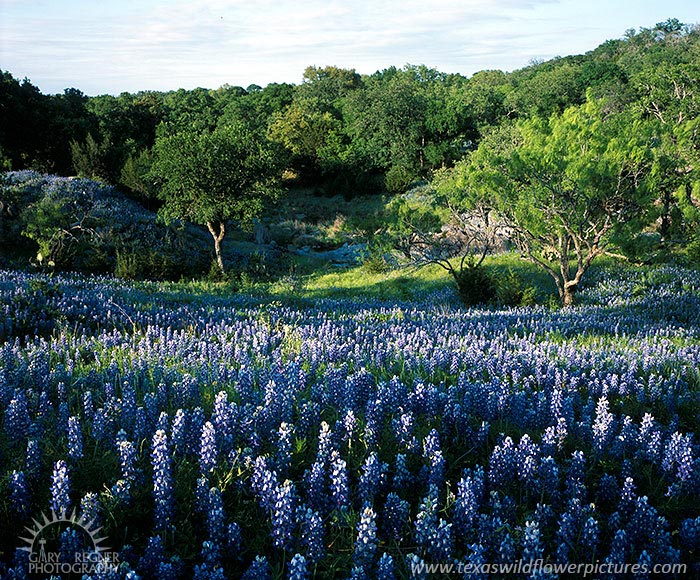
400, 284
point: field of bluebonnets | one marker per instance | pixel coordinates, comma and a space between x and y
215, 436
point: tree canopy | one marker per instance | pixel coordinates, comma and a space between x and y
210, 178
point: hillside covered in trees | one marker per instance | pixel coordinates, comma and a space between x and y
339, 132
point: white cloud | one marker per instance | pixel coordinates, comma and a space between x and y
118, 45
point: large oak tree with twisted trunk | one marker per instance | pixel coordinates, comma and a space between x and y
210, 178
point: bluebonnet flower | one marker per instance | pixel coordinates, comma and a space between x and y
532, 542
433, 454
17, 418
527, 458
121, 491
75, 439
208, 450
396, 516
19, 493
590, 534
628, 495
210, 556
603, 425
62, 418
506, 549
283, 456
358, 573
153, 556
70, 544
234, 539
477, 558
60, 488
311, 525
162, 480
417, 567
404, 431
141, 425
548, 476
163, 422
649, 438
466, 505
33, 458
127, 457
385, 568
325, 443
432, 533
196, 424
258, 570
340, 492
297, 568
402, 477
201, 494
618, 548
645, 565
179, 431
690, 533
215, 516
128, 407
608, 488
98, 425
678, 456
576, 476
366, 539
283, 515
90, 508
502, 463
224, 421
372, 479
88, 405
349, 424
316, 480
264, 484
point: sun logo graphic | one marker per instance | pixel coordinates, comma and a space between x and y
68, 546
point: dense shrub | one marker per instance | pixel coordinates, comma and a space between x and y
511, 290
83, 225
474, 284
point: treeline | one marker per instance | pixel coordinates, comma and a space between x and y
340, 130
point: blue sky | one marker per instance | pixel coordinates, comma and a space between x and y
110, 46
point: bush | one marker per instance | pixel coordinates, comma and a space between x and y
147, 264
692, 251
512, 291
640, 248
474, 284
398, 179
377, 258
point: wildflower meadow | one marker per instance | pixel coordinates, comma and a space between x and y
214, 437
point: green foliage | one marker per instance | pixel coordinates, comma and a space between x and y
134, 174
693, 251
228, 174
562, 186
639, 247
149, 264
211, 178
92, 160
474, 284
79, 224
377, 257
511, 290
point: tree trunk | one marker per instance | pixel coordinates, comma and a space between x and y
218, 231
568, 296
665, 214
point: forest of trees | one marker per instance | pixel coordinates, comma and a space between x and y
629, 108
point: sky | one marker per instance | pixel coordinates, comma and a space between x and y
112, 46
